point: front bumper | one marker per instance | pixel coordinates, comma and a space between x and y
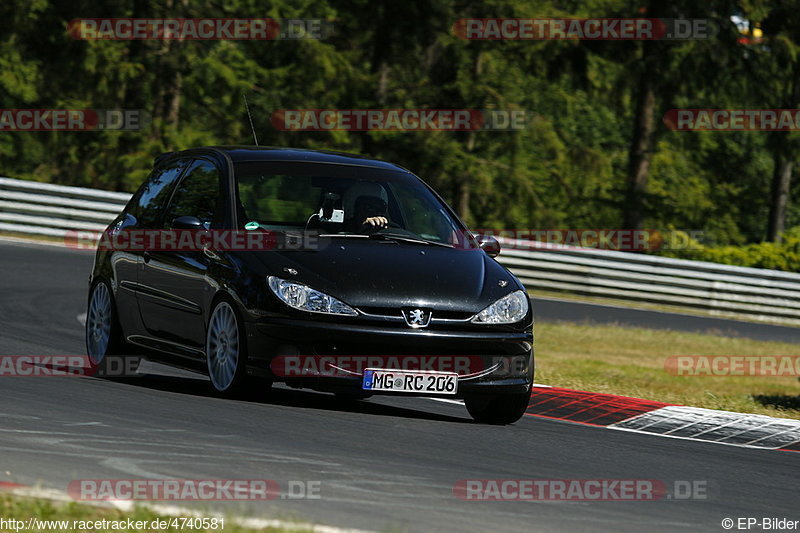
487, 361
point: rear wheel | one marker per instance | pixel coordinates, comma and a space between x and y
498, 409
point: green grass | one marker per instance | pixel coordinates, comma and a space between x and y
630, 362
23, 508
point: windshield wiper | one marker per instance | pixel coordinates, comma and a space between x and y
385, 237
405, 238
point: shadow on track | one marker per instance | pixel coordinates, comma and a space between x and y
779, 401
198, 385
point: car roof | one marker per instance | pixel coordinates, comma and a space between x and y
240, 154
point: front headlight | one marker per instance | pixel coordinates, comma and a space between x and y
305, 298
507, 310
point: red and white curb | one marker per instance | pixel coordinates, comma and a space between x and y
172, 510
666, 420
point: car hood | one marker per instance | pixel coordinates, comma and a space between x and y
373, 273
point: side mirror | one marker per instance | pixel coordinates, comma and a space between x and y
187, 222
489, 244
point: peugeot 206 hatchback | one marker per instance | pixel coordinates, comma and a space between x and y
321, 270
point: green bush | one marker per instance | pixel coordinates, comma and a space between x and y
776, 256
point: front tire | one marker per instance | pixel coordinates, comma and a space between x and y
498, 409
104, 336
225, 353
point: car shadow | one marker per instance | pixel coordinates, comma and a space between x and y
779, 401
281, 396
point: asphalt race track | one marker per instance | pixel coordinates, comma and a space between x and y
384, 464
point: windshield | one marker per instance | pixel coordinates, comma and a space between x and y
344, 201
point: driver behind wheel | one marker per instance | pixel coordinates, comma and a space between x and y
366, 207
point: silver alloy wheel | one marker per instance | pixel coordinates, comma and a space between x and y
222, 346
98, 324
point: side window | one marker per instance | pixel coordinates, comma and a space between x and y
148, 202
278, 199
198, 194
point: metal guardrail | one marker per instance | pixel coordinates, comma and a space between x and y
768, 295
35, 208
751, 293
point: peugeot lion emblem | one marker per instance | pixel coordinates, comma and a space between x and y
417, 318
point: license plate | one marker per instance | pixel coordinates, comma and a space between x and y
424, 382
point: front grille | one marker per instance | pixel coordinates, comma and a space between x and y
394, 312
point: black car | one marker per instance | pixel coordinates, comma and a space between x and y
372, 285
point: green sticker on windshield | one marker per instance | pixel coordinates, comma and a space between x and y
251, 225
